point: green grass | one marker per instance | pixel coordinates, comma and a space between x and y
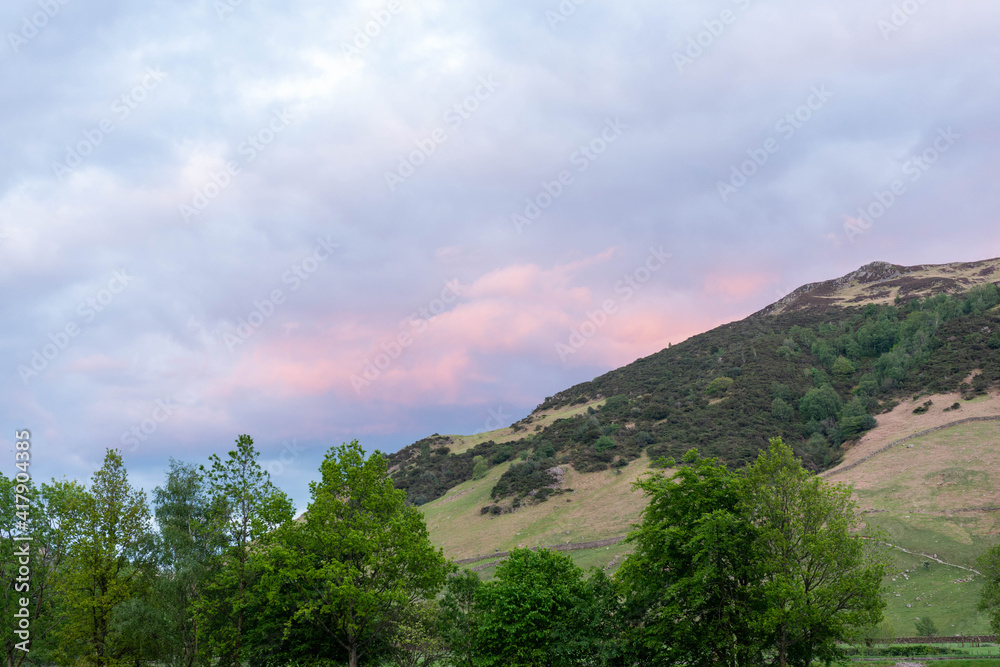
951, 606
602, 505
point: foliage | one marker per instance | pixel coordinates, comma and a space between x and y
479, 467
522, 478
989, 565
719, 386
352, 570
51, 525
529, 612
732, 567
111, 560
244, 506
459, 617
925, 627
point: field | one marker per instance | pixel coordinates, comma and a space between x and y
601, 505
932, 496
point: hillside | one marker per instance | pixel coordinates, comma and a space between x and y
816, 369
841, 369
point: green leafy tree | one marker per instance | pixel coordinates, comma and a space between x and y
989, 602
843, 369
691, 587
479, 467
855, 420
820, 403
719, 386
243, 507
359, 561
734, 568
529, 613
182, 514
926, 628
459, 616
781, 410
823, 580
39, 536
111, 562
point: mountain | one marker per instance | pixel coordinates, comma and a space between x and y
815, 368
884, 378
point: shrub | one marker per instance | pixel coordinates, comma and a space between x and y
605, 443
781, 410
479, 467
820, 403
719, 385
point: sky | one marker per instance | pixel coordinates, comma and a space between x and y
312, 222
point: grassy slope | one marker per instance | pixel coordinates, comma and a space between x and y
540, 419
602, 505
921, 492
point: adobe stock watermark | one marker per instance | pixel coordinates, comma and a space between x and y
163, 410
561, 13
393, 350
59, 340
290, 451
581, 158
885, 199
250, 148
699, 43
30, 27
900, 15
626, 288
223, 8
787, 126
495, 419
121, 108
378, 21
264, 309
454, 118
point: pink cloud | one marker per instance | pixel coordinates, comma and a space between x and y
735, 286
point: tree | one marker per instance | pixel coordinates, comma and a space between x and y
781, 410
719, 385
822, 579
39, 537
243, 507
843, 369
348, 573
926, 627
530, 612
733, 568
820, 403
692, 586
989, 602
855, 420
479, 467
182, 514
459, 617
111, 561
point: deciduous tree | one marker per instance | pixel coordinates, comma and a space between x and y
357, 563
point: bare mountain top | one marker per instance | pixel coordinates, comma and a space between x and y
882, 283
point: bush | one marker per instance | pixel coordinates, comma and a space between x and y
719, 385
781, 410
604, 443
479, 467
820, 403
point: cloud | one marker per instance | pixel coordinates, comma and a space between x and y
323, 175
